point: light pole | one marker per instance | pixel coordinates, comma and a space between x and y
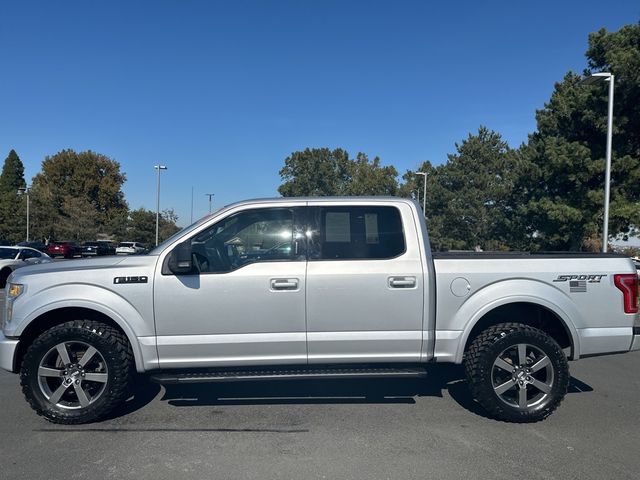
26, 191
424, 193
210, 195
591, 79
158, 168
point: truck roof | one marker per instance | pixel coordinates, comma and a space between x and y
346, 199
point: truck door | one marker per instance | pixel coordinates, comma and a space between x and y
364, 284
244, 304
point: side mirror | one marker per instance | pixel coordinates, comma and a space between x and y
180, 260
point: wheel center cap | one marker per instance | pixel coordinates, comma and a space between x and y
522, 376
72, 375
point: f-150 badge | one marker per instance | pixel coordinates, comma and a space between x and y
119, 280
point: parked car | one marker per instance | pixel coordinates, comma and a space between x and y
37, 245
130, 248
63, 249
17, 257
358, 294
97, 248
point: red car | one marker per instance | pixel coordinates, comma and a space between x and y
63, 249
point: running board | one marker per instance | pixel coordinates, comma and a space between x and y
286, 374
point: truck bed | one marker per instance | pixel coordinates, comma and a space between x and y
494, 255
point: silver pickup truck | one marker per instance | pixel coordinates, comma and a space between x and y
313, 288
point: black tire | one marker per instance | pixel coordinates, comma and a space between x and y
112, 362
496, 351
4, 275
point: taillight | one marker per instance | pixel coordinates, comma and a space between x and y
627, 283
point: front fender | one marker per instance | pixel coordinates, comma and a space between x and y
502, 293
131, 320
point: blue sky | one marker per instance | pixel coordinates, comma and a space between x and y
222, 92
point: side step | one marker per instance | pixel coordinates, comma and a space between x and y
286, 374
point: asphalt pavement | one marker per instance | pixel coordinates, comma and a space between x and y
362, 429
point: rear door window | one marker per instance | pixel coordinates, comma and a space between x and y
356, 233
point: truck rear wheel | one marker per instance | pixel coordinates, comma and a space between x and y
77, 372
516, 372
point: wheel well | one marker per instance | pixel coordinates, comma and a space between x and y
529, 314
7, 271
56, 317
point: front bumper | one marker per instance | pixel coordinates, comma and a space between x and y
8, 348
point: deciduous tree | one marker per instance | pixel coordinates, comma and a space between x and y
323, 172
93, 179
142, 226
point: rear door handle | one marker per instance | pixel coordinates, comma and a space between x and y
284, 284
402, 282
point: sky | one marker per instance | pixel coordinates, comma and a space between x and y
222, 92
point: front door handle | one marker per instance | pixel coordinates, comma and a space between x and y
402, 282
284, 284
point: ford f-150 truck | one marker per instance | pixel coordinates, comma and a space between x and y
313, 288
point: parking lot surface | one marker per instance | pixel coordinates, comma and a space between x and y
363, 429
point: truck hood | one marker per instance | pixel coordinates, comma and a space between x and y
99, 263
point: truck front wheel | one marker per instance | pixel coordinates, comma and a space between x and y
516, 372
77, 372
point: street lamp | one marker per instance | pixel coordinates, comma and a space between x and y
424, 193
591, 79
210, 195
26, 191
158, 168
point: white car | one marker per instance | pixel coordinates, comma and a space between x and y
130, 248
16, 257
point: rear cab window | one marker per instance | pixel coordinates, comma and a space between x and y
356, 233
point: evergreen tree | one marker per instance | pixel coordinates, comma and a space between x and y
567, 152
12, 206
471, 199
12, 177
